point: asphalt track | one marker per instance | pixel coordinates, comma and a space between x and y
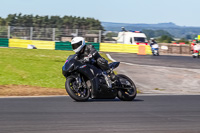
146, 114
163, 60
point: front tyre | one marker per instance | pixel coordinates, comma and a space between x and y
75, 92
128, 91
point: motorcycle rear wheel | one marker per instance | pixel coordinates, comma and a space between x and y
127, 94
78, 94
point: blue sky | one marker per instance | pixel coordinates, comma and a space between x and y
180, 12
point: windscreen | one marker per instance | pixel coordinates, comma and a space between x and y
139, 39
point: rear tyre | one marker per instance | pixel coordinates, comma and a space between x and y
128, 91
78, 94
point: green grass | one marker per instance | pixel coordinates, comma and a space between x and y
33, 67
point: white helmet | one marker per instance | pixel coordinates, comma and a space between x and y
78, 43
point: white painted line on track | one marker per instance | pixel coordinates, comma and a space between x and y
109, 57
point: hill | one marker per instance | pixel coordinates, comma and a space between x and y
173, 29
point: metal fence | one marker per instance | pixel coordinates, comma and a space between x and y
4, 32
50, 34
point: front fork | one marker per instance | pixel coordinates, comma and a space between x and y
80, 81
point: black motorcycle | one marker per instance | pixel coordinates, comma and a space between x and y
85, 80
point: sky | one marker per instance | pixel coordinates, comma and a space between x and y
180, 12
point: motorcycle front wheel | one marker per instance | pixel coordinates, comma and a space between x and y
75, 92
129, 91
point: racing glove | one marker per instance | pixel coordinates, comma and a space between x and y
87, 58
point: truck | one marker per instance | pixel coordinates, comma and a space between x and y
132, 37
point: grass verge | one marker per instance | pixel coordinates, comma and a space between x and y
33, 67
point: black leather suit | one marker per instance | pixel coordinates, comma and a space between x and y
89, 50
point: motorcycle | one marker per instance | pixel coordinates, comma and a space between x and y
85, 80
155, 49
195, 53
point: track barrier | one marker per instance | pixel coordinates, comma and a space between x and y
125, 48
103, 47
3, 42
115, 47
63, 46
18, 43
142, 50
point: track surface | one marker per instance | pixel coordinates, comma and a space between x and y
163, 60
147, 114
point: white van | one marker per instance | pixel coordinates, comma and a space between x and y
132, 37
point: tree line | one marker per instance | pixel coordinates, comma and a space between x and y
67, 22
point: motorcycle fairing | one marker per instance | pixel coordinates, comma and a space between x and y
114, 65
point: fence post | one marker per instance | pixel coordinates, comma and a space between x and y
171, 49
8, 32
53, 38
189, 49
31, 33
99, 36
76, 32
180, 49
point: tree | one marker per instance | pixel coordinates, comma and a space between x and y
183, 40
165, 39
68, 22
156, 33
109, 36
190, 36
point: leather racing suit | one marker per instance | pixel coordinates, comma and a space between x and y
89, 52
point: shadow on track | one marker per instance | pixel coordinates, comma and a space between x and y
112, 100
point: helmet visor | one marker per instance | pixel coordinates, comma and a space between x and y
76, 45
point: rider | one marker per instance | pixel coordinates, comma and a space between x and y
88, 52
194, 42
152, 42
196, 48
